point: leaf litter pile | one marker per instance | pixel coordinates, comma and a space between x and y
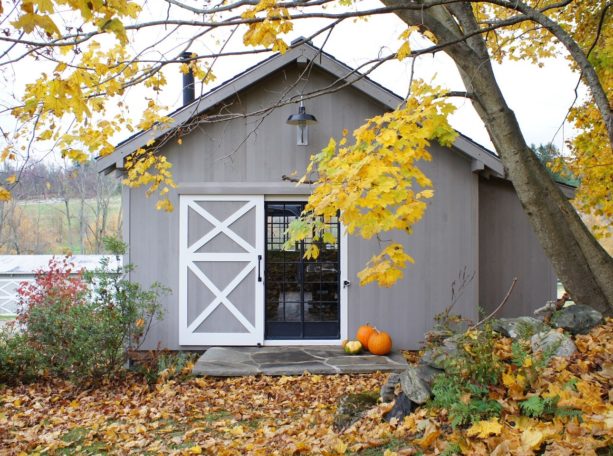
295, 415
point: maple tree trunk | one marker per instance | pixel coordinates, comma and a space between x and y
581, 263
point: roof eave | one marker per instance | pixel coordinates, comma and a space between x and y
260, 71
198, 106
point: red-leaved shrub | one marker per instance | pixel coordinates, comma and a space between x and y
59, 285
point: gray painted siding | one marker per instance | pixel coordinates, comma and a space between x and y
243, 152
508, 249
443, 244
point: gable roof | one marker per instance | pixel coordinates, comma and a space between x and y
305, 52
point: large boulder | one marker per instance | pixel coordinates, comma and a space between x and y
416, 382
553, 341
402, 407
438, 356
520, 327
449, 329
576, 319
387, 393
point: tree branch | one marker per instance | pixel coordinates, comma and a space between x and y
497, 309
591, 77
297, 181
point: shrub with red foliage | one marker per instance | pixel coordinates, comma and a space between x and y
78, 324
59, 285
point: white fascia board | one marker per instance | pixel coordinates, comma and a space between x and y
257, 73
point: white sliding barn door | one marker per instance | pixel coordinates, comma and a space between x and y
221, 288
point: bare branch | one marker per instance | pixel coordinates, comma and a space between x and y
297, 181
587, 70
497, 309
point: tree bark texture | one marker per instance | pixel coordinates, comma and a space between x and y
583, 266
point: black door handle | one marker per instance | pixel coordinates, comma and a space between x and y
259, 268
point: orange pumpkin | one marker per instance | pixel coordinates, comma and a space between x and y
364, 333
380, 343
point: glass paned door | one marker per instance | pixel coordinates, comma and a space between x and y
302, 296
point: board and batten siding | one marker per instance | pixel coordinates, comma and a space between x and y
249, 155
444, 247
509, 248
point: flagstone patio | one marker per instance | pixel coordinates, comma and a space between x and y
292, 360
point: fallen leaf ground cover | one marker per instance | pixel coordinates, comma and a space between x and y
258, 415
294, 415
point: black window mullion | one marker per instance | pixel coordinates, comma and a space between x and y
324, 315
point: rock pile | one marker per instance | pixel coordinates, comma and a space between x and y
417, 380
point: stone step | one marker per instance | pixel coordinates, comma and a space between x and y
292, 360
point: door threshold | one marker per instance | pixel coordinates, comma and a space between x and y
277, 342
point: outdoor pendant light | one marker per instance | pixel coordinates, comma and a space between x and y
302, 120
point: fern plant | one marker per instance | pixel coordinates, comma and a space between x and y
546, 408
465, 403
464, 388
531, 365
452, 449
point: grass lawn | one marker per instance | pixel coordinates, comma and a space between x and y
49, 216
7, 317
47, 210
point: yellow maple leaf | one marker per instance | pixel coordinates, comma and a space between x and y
196, 449
430, 435
508, 380
237, 430
484, 429
164, 205
403, 51
5, 195
531, 438
340, 447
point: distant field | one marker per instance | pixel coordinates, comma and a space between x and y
49, 210
47, 221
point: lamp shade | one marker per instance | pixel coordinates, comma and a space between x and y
302, 118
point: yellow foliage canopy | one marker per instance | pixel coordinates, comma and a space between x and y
374, 183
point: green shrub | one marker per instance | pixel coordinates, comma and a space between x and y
82, 341
83, 324
134, 307
19, 361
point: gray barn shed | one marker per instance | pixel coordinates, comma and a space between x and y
220, 250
